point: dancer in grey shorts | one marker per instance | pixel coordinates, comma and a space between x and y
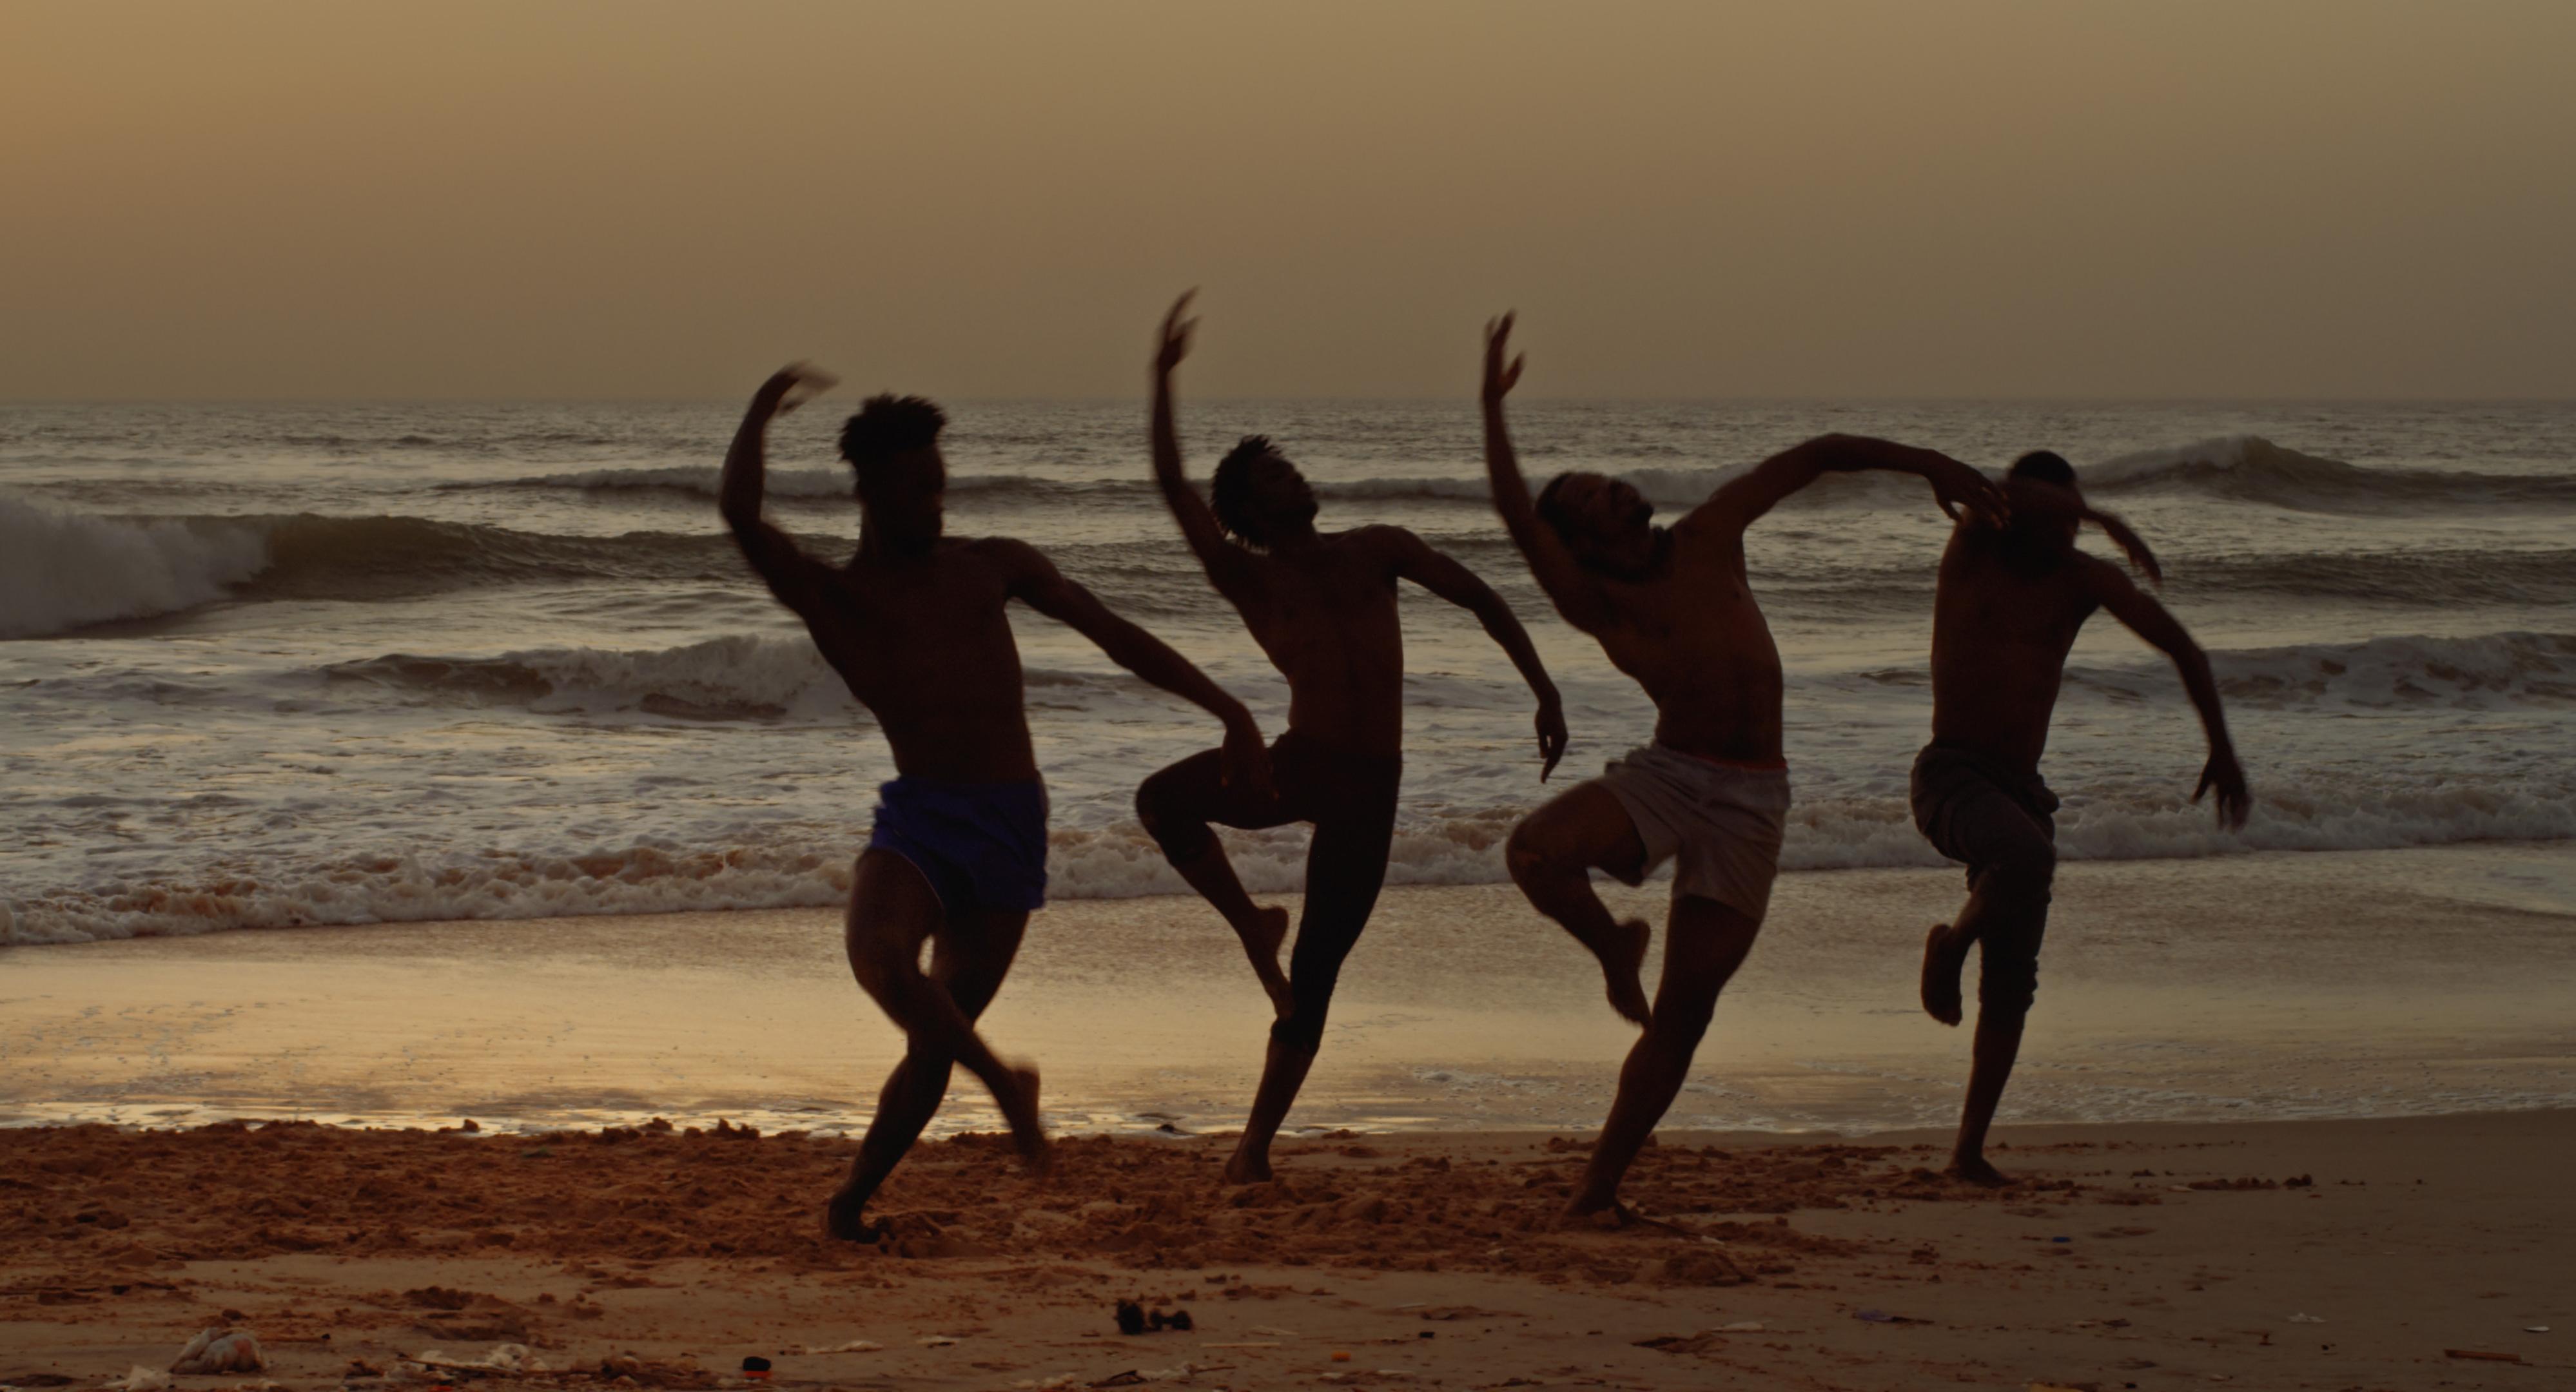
2013, 594
1673, 609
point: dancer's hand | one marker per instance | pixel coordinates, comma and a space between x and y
2234, 799
1500, 377
1551, 735
1175, 341
1956, 486
790, 387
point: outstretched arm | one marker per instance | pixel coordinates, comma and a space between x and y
1740, 501
772, 553
2032, 498
1576, 593
2150, 620
1198, 521
1035, 579
1416, 561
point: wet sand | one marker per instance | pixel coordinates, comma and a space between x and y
2273, 987
2275, 1255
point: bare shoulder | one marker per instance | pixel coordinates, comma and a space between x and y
2094, 575
2091, 582
1708, 536
1381, 539
1009, 554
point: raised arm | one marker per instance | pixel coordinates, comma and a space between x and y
1416, 561
1574, 590
1035, 580
2150, 620
1198, 521
772, 553
1740, 501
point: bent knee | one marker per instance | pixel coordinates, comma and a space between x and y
1163, 813
1154, 800
1530, 855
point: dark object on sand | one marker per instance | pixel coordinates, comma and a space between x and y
1179, 1319
755, 1364
1131, 1317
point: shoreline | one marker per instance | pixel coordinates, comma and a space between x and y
2308, 1254
2353, 984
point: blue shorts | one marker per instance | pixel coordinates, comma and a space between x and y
982, 846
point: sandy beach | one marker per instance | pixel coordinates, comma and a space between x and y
2297, 1255
2190, 1013
2271, 986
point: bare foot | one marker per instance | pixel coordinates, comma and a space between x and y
1261, 943
1622, 956
1943, 958
843, 1218
1973, 1169
1247, 1169
1028, 1128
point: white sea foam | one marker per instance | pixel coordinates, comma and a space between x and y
61, 570
1119, 861
741, 677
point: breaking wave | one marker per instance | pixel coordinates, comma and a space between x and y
2249, 468
62, 570
2483, 671
739, 677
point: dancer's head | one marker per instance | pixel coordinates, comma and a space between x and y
1605, 522
1259, 496
2050, 468
893, 445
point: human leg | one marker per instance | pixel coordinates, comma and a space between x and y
2011, 856
1176, 806
1345, 868
2009, 850
1551, 856
892, 910
1704, 943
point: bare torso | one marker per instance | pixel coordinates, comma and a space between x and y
1324, 612
1693, 636
2005, 618
925, 644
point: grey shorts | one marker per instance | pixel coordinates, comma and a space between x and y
1981, 812
1720, 823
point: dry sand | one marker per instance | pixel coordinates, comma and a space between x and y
2323, 1254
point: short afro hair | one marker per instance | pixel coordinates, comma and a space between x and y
2045, 466
888, 425
1551, 508
1230, 491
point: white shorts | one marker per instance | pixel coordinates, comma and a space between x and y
1721, 822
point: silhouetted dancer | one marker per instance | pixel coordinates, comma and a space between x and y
915, 623
1673, 609
1322, 606
2012, 597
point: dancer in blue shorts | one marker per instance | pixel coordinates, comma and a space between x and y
914, 623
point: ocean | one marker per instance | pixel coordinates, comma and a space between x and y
303, 665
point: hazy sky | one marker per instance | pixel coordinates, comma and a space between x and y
418, 199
